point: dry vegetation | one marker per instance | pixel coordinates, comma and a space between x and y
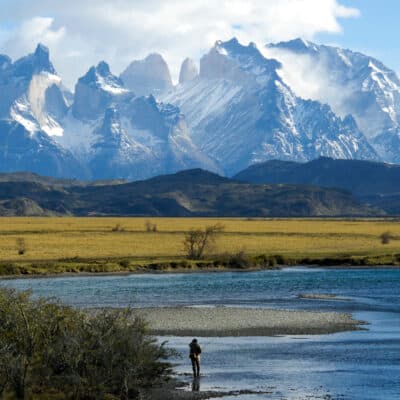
94, 244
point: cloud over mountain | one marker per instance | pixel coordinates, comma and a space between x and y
80, 34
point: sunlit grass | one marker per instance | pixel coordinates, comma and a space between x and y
93, 238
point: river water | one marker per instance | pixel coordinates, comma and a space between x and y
362, 365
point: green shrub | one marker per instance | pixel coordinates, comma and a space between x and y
48, 348
386, 237
125, 264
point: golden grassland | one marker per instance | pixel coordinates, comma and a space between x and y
67, 242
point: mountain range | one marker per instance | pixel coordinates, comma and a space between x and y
372, 183
192, 193
236, 110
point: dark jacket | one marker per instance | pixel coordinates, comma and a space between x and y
195, 349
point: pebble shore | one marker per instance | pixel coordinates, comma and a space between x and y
230, 321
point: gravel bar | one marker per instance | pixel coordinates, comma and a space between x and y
230, 321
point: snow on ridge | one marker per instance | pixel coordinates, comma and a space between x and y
78, 136
109, 86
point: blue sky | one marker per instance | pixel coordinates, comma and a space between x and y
375, 32
80, 33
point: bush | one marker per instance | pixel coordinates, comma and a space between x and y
386, 237
118, 228
49, 348
238, 260
150, 227
125, 263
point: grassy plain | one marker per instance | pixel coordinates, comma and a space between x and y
66, 244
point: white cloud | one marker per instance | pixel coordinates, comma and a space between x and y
311, 79
82, 32
32, 31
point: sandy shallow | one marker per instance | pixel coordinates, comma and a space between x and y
227, 321
318, 296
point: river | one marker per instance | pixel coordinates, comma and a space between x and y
362, 365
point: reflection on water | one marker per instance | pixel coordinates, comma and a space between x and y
196, 385
361, 365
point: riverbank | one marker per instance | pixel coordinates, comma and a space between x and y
229, 321
226, 263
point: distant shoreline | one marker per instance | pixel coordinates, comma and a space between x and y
187, 271
144, 271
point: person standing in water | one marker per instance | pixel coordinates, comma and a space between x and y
194, 355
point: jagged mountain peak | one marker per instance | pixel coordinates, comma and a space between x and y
237, 62
234, 46
298, 45
189, 71
100, 76
103, 69
96, 91
42, 52
148, 76
34, 63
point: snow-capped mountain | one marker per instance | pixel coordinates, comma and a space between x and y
122, 135
95, 91
104, 131
31, 101
240, 111
354, 83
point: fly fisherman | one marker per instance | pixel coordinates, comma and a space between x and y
194, 355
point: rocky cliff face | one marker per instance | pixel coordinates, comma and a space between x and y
189, 71
148, 76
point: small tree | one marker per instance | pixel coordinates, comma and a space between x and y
197, 241
386, 237
21, 247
